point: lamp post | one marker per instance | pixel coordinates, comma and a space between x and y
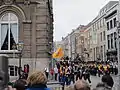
20, 46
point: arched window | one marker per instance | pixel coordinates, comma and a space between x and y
8, 31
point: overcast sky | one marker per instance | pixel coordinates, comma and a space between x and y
69, 14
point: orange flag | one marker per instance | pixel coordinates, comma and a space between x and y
58, 54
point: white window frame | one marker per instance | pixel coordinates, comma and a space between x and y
8, 22
14, 71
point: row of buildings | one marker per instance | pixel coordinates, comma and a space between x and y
97, 39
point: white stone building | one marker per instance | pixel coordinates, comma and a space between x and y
66, 46
111, 35
99, 28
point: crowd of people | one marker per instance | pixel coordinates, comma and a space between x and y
35, 81
69, 72
106, 83
38, 81
73, 75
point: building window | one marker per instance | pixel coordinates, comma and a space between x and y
104, 51
104, 35
97, 52
114, 20
101, 52
111, 40
8, 31
16, 70
103, 22
111, 24
98, 24
108, 26
93, 27
101, 36
108, 42
13, 70
115, 38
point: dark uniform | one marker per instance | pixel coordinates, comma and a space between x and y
86, 75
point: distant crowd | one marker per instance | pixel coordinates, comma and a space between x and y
38, 81
73, 76
69, 72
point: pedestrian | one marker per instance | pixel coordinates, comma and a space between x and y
108, 80
78, 74
100, 69
56, 72
63, 78
87, 75
24, 75
9, 88
47, 72
72, 76
116, 70
106, 83
20, 84
68, 77
37, 81
51, 72
81, 85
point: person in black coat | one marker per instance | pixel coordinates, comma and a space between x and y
86, 75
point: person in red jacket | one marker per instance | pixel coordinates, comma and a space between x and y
52, 72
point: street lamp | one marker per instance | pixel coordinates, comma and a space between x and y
20, 47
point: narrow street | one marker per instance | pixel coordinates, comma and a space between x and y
95, 80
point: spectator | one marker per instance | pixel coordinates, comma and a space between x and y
47, 72
108, 80
51, 72
87, 75
70, 88
106, 84
102, 86
56, 72
9, 88
20, 84
81, 85
37, 81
